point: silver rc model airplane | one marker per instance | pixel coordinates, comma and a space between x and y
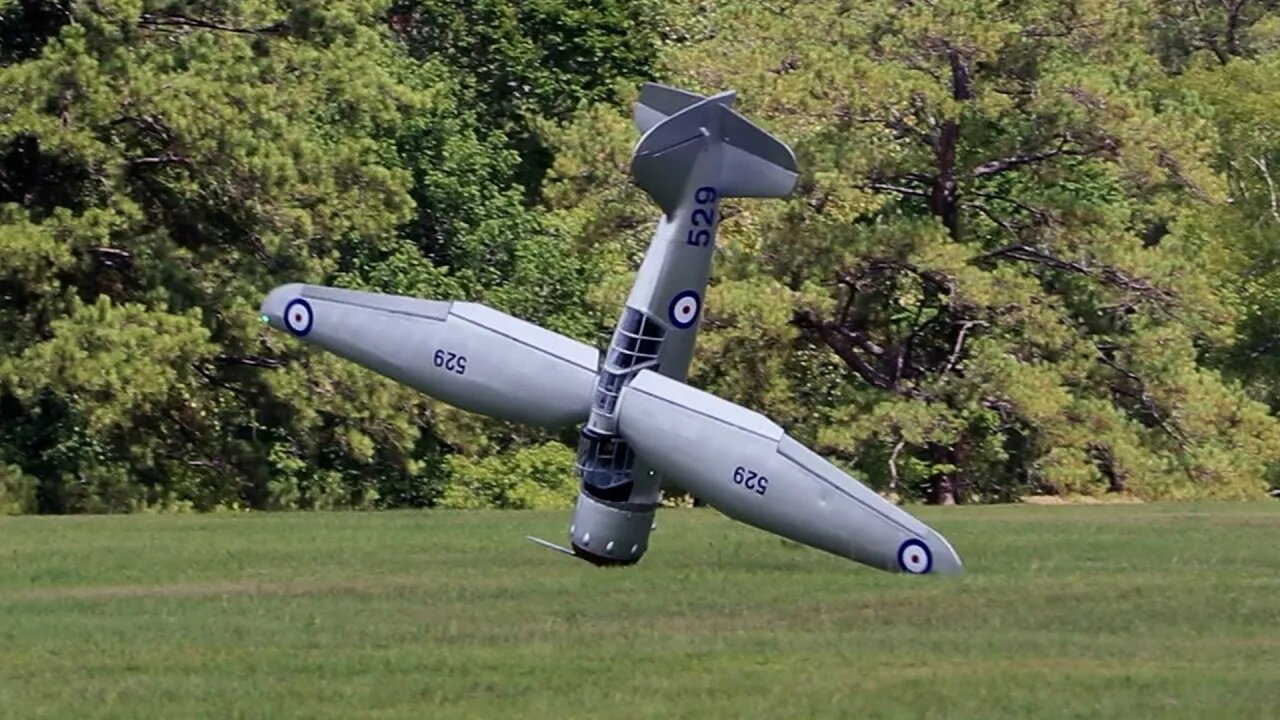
642, 422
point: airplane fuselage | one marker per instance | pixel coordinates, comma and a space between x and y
638, 417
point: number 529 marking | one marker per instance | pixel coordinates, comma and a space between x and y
703, 217
750, 480
450, 361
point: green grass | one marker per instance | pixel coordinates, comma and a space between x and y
1065, 612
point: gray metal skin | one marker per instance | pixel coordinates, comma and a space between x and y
640, 418
467, 355
744, 465
694, 151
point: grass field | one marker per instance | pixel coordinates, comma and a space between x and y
1133, 611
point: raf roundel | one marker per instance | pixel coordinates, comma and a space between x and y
298, 317
914, 557
684, 309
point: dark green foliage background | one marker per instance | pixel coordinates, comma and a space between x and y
1033, 249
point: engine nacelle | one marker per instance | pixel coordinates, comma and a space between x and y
608, 534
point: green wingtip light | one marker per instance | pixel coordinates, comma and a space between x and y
265, 319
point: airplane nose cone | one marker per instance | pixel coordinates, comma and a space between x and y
273, 306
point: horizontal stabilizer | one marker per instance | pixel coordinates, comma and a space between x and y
706, 143
745, 465
756, 164
659, 102
468, 355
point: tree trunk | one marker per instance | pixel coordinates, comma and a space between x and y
944, 200
944, 196
942, 485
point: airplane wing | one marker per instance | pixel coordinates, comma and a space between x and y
468, 355
745, 466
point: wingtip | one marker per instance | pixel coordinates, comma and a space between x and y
271, 311
946, 561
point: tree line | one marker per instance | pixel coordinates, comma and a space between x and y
1034, 248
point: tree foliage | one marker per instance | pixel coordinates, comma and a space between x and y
1033, 248
529, 62
163, 164
994, 243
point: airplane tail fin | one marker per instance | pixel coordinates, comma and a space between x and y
680, 126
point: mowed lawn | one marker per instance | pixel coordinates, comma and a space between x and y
1065, 612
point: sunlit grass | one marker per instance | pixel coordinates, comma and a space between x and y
1065, 612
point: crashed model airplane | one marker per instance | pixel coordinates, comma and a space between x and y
642, 423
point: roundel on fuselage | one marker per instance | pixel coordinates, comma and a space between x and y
683, 312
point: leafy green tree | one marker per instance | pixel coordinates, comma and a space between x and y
529, 62
1229, 55
1033, 249
1213, 32
536, 476
26, 25
988, 238
162, 166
